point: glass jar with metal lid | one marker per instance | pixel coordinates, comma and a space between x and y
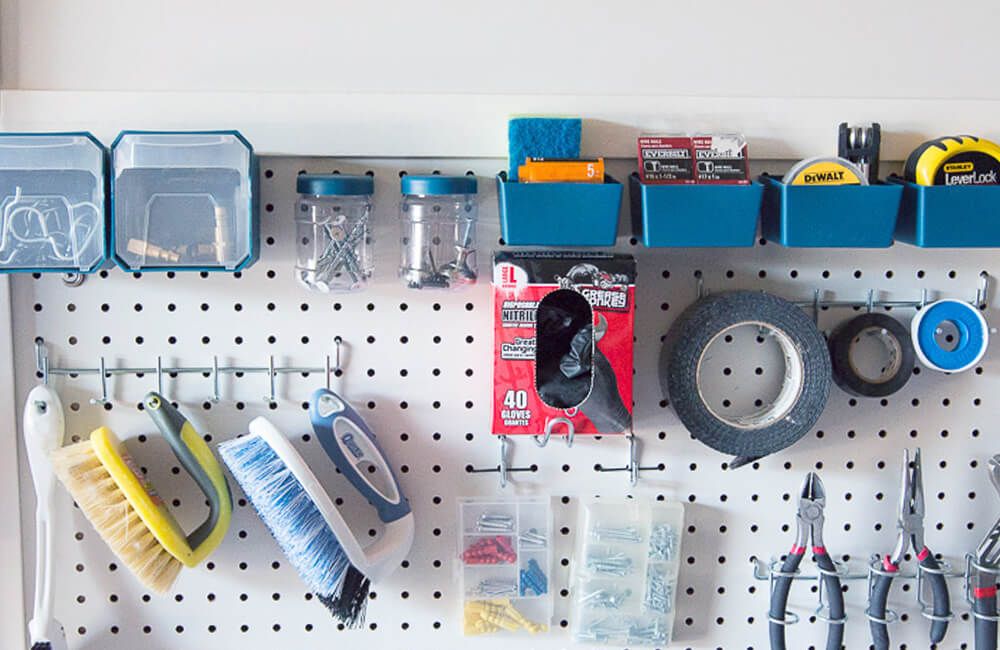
333, 233
438, 217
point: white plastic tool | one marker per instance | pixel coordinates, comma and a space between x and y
44, 429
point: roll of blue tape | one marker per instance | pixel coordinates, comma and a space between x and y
973, 335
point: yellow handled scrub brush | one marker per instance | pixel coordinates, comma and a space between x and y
126, 510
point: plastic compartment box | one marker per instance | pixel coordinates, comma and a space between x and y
53, 202
937, 216
712, 215
627, 563
505, 557
559, 214
184, 201
840, 216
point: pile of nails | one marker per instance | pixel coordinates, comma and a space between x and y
533, 579
495, 588
491, 550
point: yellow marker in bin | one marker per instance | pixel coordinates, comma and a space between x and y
561, 170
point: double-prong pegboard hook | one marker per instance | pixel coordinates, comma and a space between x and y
503, 467
633, 467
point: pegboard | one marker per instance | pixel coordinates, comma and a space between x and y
418, 366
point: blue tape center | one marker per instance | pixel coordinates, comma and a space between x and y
971, 336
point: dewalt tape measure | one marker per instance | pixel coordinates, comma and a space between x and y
825, 170
954, 160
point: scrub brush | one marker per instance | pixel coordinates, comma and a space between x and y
303, 518
126, 510
44, 428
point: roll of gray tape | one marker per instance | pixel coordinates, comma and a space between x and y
800, 399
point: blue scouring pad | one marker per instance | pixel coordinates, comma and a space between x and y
541, 137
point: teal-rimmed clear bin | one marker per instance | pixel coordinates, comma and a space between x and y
835, 216
184, 201
693, 215
939, 216
559, 214
53, 203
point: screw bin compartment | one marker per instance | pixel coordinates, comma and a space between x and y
184, 201
52, 202
505, 562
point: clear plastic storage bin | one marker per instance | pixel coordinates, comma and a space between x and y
52, 202
505, 553
184, 201
626, 572
438, 219
333, 234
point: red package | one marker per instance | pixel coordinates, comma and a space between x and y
563, 325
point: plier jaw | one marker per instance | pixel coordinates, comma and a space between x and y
810, 517
910, 522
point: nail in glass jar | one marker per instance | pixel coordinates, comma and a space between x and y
438, 217
334, 239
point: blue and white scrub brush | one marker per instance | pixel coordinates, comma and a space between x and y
303, 518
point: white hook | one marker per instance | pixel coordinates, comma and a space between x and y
271, 399
215, 380
103, 399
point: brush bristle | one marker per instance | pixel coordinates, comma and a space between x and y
298, 526
95, 491
42, 645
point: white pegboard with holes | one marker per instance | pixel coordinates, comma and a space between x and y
418, 365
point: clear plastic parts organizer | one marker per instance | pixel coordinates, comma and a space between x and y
505, 556
626, 573
184, 201
52, 202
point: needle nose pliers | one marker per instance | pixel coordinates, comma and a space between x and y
809, 520
984, 577
911, 531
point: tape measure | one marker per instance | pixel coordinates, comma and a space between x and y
825, 170
548, 170
954, 160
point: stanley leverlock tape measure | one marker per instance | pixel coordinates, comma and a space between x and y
954, 160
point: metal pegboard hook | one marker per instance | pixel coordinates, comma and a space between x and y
159, 375
972, 566
42, 360
103, 399
633, 467
271, 398
503, 466
215, 380
870, 302
550, 425
983, 292
338, 341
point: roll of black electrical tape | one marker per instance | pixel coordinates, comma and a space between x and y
846, 366
800, 400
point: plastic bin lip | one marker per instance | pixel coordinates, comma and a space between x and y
232, 132
504, 180
753, 181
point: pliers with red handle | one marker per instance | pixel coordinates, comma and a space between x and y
911, 531
983, 577
810, 519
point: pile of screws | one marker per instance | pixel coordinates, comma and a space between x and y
608, 534
662, 543
617, 564
628, 629
605, 599
531, 540
659, 592
495, 588
492, 523
491, 550
533, 579
340, 254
